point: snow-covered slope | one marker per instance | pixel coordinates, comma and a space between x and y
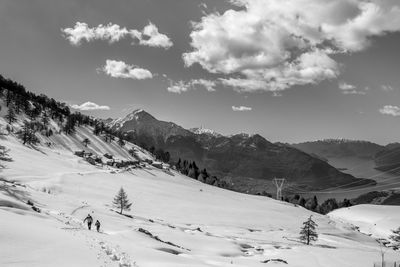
376, 220
195, 224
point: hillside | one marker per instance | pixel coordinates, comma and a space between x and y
354, 157
47, 189
374, 220
247, 163
388, 197
341, 148
243, 230
388, 159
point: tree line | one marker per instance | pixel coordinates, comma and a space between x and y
313, 205
40, 109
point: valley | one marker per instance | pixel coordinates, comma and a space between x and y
55, 170
244, 230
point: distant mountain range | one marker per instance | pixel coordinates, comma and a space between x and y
247, 162
345, 154
340, 148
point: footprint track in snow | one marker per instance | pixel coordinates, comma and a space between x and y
115, 255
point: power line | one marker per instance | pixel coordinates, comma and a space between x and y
279, 183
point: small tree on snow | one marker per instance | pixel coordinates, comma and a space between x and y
308, 232
395, 238
121, 142
27, 134
121, 201
10, 116
86, 142
383, 249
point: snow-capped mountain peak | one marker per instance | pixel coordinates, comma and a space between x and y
202, 130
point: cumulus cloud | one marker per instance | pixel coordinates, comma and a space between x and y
178, 87
349, 89
280, 43
119, 69
390, 110
241, 108
90, 106
182, 86
149, 36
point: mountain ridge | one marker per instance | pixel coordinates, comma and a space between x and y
235, 158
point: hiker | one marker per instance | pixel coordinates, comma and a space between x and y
97, 225
89, 220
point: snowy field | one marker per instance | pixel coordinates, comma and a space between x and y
175, 221
375, 220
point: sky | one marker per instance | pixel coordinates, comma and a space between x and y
290, 70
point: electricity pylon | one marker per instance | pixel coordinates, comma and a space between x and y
279, 182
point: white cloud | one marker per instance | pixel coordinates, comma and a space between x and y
353, 92
280, 43
178, 87
209, 85
149, 36
346, 87
349, 89
119, 69
90, 106
390, 110
387, 88
81, 31
181, 86
241, 108
245, 85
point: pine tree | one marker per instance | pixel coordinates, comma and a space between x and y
312, 204
45, 118
96, 129
132, 152
69, 126
178, 164
395, 238
9, 97
121, 142
108, 137
86, 142
308, 232
27, 134
10, 116
4, 154
121, 201
166, 157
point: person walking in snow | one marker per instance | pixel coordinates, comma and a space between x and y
97, 225
89, 220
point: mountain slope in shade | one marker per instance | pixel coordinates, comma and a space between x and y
388, 197
247, 162
340, 148
350, 156
388, 159
141, 122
